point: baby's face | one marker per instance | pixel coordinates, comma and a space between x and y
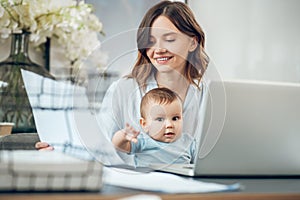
163, 122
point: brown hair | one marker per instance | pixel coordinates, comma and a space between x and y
158, 95
184, 20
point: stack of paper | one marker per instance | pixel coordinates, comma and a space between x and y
47, 171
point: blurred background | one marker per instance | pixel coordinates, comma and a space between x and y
246, 39
252, 39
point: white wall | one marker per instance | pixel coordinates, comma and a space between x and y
120, 20
252, 39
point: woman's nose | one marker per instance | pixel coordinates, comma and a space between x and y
159, 47
160, 50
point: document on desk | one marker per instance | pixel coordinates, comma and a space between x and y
161, 182
64, 120
30, 170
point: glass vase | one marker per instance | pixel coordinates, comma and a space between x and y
15, 106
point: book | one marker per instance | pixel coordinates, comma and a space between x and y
26, 170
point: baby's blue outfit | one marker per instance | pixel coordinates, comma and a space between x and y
121, 105
149, 151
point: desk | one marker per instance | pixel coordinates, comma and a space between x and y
275, 189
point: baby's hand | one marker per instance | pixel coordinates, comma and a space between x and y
130, 133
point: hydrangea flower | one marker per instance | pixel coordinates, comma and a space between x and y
70, 22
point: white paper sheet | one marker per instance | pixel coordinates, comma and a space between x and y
63, 119
161, 182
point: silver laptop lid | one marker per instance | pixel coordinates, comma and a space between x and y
259, 133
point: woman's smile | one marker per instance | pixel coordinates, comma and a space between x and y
163, 60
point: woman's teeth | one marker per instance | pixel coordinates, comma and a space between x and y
162, 59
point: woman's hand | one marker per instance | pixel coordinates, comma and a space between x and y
43, 146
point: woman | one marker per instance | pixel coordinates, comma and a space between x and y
170, 54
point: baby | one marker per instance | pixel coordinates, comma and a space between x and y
161, 119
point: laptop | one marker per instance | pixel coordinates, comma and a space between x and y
249, 128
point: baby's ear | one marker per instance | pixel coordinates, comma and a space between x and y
143, 124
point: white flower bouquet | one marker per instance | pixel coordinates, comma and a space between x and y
70, 22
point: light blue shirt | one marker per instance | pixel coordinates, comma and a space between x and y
149, 151
121, 105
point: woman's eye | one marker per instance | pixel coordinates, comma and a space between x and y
170, 40
151, 41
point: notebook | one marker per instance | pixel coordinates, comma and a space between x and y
249, 128
26, 170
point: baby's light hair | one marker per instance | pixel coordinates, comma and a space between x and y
161, 96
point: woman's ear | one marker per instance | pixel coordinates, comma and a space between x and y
144, 124
193, 44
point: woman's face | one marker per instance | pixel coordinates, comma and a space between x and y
169, 47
